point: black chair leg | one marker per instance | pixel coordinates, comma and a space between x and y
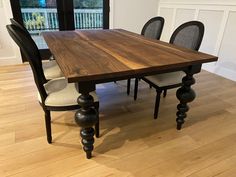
128, 86
158, 97
48, 126
136, 89
165, 93
150, 86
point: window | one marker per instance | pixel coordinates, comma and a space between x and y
47, 15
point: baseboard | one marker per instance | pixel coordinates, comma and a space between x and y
220, 70
9, 61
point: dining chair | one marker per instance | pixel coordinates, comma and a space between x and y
152, 30
53, 95
188, 35
50, 68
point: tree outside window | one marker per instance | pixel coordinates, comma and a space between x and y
82, 4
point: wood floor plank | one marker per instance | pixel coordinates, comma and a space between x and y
223, 168
132, 143
195, 160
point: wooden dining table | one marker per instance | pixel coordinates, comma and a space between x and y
90, 57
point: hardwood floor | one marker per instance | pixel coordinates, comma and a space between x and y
132, 143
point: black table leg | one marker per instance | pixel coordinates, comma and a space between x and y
128, 86
186, 94
86, 117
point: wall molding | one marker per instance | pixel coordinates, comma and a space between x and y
219, 70
221, 32
201, 6
9, 61
205, 7
173, 20
197, 4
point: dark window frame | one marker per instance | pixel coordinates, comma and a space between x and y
65, 10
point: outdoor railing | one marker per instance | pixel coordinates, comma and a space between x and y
38, 19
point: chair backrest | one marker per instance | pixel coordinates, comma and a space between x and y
14, 22
188, 35
153, 28
31, 52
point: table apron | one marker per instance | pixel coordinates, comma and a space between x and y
90, 85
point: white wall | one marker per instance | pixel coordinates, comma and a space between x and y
219, 18
9, 52
132, 14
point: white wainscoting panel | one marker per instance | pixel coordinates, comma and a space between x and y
212, 29
227, 54
168, 14
182, 16
219, 18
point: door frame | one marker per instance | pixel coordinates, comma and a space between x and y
106, 14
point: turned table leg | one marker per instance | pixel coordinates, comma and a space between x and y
86, 117
185, 94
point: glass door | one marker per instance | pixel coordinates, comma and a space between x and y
49, 15
39, 16
88, 14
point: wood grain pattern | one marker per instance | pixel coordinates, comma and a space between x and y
86, 55
132, 143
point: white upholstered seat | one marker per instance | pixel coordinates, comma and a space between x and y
167, 79
61, 93
51, 70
